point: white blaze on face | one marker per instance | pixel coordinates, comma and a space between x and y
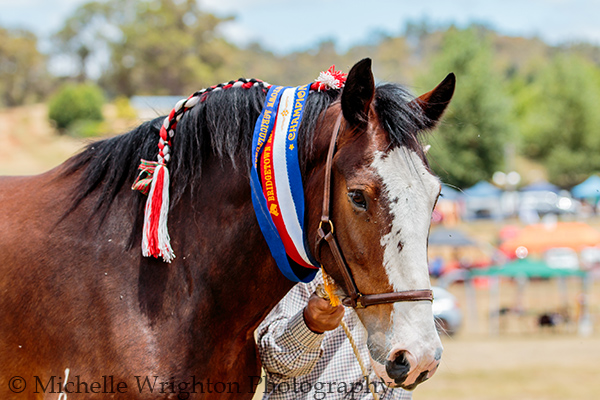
411, 191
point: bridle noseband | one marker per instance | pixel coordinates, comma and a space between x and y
326, 232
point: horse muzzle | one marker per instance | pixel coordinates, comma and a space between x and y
404, 370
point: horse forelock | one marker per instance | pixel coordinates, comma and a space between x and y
398, 116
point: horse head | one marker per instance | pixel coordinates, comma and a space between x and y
382, 197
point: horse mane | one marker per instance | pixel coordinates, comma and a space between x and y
221, 125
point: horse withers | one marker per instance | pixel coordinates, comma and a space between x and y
77, 297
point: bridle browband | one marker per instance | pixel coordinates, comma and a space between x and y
326, 232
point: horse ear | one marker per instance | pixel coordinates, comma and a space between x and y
358, 93
434, 103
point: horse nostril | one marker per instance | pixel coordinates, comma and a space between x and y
398, 368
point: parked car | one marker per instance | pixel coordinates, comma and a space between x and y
446, 311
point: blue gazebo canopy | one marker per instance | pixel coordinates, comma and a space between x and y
483, 189
590, 188
540, 187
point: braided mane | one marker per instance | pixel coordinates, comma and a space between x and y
220, 125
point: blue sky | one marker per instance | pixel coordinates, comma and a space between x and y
288, 25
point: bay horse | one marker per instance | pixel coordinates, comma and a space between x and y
84, 313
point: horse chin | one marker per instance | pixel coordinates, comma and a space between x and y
408, 382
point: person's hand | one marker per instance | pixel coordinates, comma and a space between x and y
320, 316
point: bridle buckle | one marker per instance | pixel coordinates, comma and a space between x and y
359, 301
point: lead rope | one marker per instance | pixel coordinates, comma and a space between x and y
326, 291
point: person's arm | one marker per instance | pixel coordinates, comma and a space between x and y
288, 347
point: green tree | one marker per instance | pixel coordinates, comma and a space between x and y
469, 145
23, 73
559, 120
154, 46
86, 33
168, 47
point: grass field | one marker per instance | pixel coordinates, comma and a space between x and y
30, 145
523, 361
520, 367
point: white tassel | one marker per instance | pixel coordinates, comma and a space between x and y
164, 241
155, 236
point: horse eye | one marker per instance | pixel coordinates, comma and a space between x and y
358, 198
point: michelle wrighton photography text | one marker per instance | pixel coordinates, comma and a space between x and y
185, 388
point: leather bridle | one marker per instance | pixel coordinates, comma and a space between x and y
326, 232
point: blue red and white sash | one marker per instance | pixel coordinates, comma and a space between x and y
277, 191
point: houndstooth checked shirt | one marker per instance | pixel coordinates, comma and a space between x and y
300, 364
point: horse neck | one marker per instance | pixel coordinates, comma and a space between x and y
221, 250
222, 264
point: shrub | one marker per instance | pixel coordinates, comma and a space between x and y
75, 103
